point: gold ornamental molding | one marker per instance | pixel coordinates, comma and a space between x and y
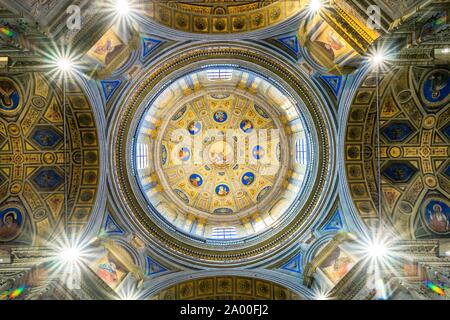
224, 17
228, 287
352, 28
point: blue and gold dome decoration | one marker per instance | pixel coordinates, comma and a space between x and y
215, 153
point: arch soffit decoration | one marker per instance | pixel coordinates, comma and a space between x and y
414, 150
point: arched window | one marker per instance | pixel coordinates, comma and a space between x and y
224, 233
219, 74
300, 151
141, 155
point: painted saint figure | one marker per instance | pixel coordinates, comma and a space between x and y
10, 223
258, 152
438, 221
246, 126
342, 266
184, 154
222, 190
107, 48
10, 227
9, 96
436, 88
248, 178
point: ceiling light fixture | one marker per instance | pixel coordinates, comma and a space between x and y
315, 5
378, 58
70, 255
377, 250
64, 64
122, 7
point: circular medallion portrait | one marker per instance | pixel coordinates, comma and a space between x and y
222, 190
194, 127
248, 178
196, 180
246, 126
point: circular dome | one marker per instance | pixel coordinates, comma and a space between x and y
222, 154
214, 155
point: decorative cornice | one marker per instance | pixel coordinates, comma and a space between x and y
202, 19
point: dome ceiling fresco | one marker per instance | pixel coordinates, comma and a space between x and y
219, 168
219, 157
223, 153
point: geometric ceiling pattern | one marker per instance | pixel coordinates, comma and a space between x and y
36, 167
414, 151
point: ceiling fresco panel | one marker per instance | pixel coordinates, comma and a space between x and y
414, 151
33, 161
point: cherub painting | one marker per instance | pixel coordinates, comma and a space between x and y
107, 48
331, 43
337, 265
110, 270
246, 126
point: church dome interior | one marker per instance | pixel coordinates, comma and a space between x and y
222, 174
225, 150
